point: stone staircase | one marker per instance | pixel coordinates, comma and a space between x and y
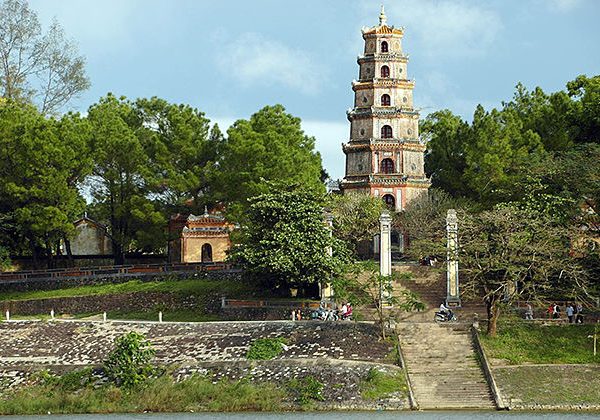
430, 284
442, 366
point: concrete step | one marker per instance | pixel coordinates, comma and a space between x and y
442, 367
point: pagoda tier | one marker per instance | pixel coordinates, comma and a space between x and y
384, 156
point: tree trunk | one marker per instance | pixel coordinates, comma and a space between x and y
70, 260
493, 312
119, 255
50, 256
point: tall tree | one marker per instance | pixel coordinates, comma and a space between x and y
44, 68
507, 253
285, 241
355, 217
424, 221
122, 178
182, 155
40, 170
586, 117
498, 154
269, 146
547, 115
445, 159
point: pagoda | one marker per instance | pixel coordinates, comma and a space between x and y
384, 156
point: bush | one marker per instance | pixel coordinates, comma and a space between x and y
266, 348
306, 390
129, 363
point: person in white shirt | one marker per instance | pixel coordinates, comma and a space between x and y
446, 311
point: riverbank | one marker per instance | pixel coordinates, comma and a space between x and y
545, 367
324, 366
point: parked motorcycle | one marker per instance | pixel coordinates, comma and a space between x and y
323, 314
443, 317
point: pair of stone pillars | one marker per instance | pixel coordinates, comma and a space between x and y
385, 255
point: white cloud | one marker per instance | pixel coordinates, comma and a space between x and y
255, 60
563, 5
446, 27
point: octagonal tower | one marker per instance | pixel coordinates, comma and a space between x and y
384, 156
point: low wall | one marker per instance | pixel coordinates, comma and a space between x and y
211, 304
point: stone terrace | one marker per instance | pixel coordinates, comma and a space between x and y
62, 343
337, 354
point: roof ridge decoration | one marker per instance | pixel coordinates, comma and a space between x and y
382, 17
383, 27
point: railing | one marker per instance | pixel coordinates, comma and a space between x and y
111, 271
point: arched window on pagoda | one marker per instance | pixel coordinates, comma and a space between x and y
206, 253
384, 47
386, 132
387, 166
389, 200
385, 71
385, 100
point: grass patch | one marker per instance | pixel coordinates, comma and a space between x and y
196, 286
266, 348
521, 342
550, 385
162, 394
378, 385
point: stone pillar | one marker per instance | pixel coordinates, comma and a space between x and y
452, 286
385, 247
385, 254
325, 289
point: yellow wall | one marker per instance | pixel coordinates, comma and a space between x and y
192, 249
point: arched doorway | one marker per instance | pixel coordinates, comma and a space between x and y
389, 200
206, 253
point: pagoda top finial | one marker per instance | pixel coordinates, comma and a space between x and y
382, 17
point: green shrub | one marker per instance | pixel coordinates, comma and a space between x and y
129, 362
306, 390
266, 348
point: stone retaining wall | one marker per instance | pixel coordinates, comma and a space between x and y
34, 343
339, 355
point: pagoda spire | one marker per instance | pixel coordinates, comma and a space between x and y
382, 17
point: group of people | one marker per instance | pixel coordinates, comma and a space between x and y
325, 314
574, 312
346, 311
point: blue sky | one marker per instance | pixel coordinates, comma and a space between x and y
231, 58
